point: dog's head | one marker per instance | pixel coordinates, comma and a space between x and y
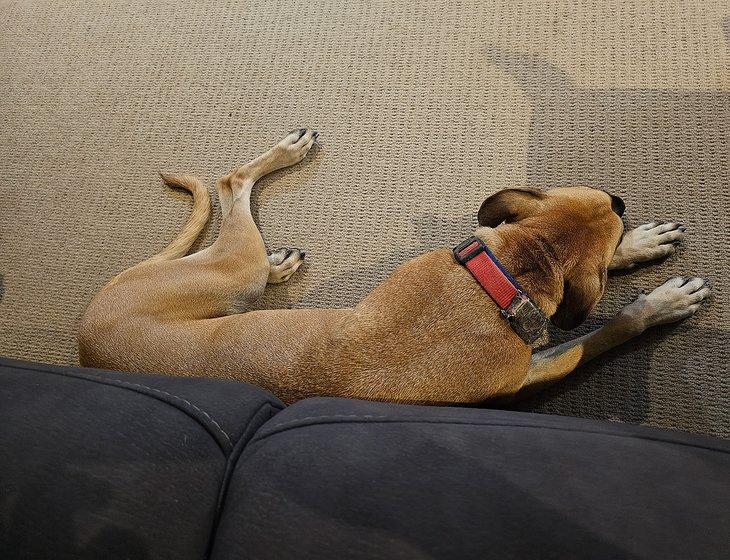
582, 225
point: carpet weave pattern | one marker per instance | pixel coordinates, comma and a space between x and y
425, 109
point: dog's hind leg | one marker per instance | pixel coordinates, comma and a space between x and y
148, 311
239, 240
234, 270
676, 299
238, 183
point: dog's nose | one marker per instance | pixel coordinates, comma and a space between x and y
618, 205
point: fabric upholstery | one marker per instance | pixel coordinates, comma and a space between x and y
97, 464
330, 478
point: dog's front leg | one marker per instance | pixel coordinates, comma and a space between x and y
676, 299
647, 243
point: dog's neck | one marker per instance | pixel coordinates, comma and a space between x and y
532, 258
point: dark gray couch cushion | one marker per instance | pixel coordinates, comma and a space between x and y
331, 478
98, 464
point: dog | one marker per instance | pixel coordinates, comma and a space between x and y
429, 334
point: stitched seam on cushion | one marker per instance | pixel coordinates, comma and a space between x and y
203, 412
231, 464
241, 443
365, 419
117, 382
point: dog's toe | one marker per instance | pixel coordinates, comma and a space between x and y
295, 146
277, 256
284, 263
299, 138
651, 241
295, 135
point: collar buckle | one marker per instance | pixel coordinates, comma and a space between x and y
464, 252
525, 318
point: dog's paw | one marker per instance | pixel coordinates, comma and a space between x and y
294, 146
647, 243
676, 299
283, 263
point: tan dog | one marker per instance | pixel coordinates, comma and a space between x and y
428, 334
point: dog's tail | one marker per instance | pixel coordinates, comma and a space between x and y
196, 221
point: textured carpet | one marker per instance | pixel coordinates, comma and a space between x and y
425, 109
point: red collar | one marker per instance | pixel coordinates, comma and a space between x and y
523, 315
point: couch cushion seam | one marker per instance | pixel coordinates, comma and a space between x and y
230, 469
130, 386
310, 421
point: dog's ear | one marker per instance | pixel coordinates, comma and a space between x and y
582, 289
618, 205
509, 205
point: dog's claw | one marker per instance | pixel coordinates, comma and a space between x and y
298, 131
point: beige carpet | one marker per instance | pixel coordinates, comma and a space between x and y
425, 109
